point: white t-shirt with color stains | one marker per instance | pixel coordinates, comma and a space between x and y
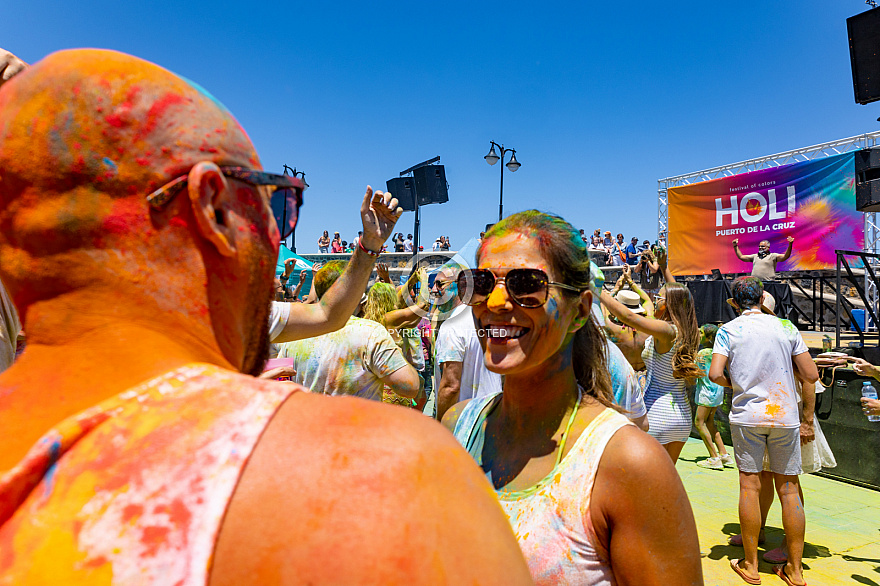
350, 361
759, 349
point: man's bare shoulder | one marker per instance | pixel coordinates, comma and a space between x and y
347, 490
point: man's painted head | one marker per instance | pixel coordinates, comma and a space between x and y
747, 292
85, 136
764, 246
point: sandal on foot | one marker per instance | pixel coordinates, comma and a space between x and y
734, 565
737, 540
776, 556
780, 571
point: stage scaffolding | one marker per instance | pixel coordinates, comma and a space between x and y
827, 149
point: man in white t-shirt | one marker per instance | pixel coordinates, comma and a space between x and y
459, 371
763, 354
408, 243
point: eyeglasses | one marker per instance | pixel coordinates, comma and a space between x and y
286, 196
526, 287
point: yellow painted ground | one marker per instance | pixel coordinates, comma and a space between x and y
843, 525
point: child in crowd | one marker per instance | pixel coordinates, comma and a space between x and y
708, 397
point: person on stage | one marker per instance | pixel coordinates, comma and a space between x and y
764, 263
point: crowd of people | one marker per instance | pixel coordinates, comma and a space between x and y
169, 455
336, 245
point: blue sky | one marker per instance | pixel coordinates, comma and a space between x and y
599, 99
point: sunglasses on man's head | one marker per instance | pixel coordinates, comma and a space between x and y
526, 287
286, 196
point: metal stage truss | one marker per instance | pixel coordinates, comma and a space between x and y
827, 149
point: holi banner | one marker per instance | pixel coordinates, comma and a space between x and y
813, 201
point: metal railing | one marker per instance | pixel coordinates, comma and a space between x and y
870, 309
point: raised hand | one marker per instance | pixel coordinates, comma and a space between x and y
735, 242
790, 239
10, 65
382, 272
379, 213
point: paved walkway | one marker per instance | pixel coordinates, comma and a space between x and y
843, 525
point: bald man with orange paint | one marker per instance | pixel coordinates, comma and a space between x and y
133, 449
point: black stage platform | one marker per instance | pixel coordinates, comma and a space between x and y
710, 300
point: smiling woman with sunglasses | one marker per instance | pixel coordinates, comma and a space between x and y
570, 471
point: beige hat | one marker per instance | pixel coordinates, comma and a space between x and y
768, 303
631, 300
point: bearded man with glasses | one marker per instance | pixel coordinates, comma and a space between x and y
138, 237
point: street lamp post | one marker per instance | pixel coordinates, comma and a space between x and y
302, 175
512, 164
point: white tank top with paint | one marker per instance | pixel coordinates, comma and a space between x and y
552, 519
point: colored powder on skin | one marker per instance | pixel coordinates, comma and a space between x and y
205, 93
125, 217
553, 308
54, 452
157, 111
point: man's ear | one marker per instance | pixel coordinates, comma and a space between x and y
208, 195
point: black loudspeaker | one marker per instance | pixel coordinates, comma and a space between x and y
867, 163
864, 54
403, 188
431, 184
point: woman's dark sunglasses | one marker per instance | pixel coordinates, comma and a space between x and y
526, 287
286, 196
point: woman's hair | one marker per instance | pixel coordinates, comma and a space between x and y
381, 299
561, 245
680, 311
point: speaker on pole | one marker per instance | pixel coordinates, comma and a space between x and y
864, 54
867, 163
431, 184
403, 188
